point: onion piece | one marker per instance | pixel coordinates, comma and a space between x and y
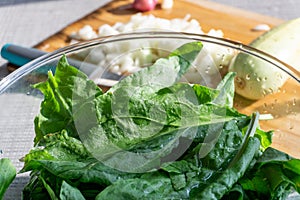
144, 5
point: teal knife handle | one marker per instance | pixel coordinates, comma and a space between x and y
19, 55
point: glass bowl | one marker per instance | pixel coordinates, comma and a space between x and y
107, 60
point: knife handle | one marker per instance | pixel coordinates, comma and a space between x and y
19, 55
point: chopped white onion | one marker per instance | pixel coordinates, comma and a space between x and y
129, 57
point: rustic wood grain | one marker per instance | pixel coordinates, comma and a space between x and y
285, 109
236, 24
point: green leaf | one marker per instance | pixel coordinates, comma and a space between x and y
148, 117
35, 188
236, 193
228, 140
177, 167
57, 146
186, 54
150, 186
69, 192
257, 183
293, 165
49, 189
205, 94
274, 175
67, 89
7, 175
86, 171
265, 138
227, 178
278, 181
273, 155
227, 90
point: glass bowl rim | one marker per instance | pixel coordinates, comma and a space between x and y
11, 78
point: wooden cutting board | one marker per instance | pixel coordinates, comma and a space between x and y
236, 25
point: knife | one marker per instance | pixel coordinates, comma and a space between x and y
19, 56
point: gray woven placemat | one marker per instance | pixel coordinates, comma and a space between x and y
16, 134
